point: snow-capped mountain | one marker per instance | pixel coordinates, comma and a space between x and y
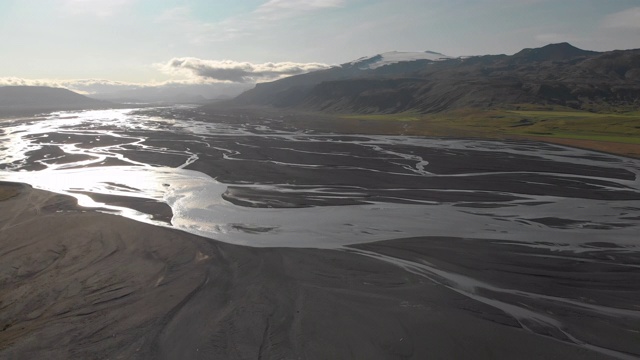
556, 74
393, 57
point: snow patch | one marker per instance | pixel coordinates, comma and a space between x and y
393, 57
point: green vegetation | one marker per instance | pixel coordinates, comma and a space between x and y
403, 116
548, 123
624, 127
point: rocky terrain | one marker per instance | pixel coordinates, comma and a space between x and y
556, 74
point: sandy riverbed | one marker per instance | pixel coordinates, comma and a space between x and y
78, 284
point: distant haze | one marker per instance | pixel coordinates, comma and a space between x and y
217, 49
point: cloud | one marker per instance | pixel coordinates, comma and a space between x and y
196, 31
234, 71
83, 86
100, 8
299, 4
101, 86
259, 20
167, 91
280, 9
627, 19
551, 38
206, 77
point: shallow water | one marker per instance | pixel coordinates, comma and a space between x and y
387, 187
254, 182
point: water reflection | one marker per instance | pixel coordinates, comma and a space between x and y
119, 153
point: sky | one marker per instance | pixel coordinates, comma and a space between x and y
108, 43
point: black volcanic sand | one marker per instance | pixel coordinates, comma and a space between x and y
80, 284
489, 176
349, 173
87, 285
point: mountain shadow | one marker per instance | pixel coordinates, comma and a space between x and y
556, 74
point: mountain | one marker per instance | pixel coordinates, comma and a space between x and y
173, 93
291, 91
23, 100
394, 57
558, 74
552, 52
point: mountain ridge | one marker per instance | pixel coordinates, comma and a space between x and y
553, 52
393, 57
555, 74
24, 100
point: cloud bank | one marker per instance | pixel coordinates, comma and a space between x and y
264, 17
627, 19
100, 8
210, 79
83, 86
282, 9
167, 91
234, 71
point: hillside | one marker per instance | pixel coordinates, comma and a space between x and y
556, 74
394, 57
24, 100
293, 91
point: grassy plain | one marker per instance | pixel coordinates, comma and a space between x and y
615, 132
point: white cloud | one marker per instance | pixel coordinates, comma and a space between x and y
552, 38
299, 4
15, 81
101, 8
206, 77
169, 91
627, 19
83, 86
101, 86
281, 9
256, 21
196, 31
235, 71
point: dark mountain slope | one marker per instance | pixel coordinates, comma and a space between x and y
552, 52
292, 91
20, 100
398, 95
557, 74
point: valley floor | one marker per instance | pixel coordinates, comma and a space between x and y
614, 133
540, 261
79, 284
